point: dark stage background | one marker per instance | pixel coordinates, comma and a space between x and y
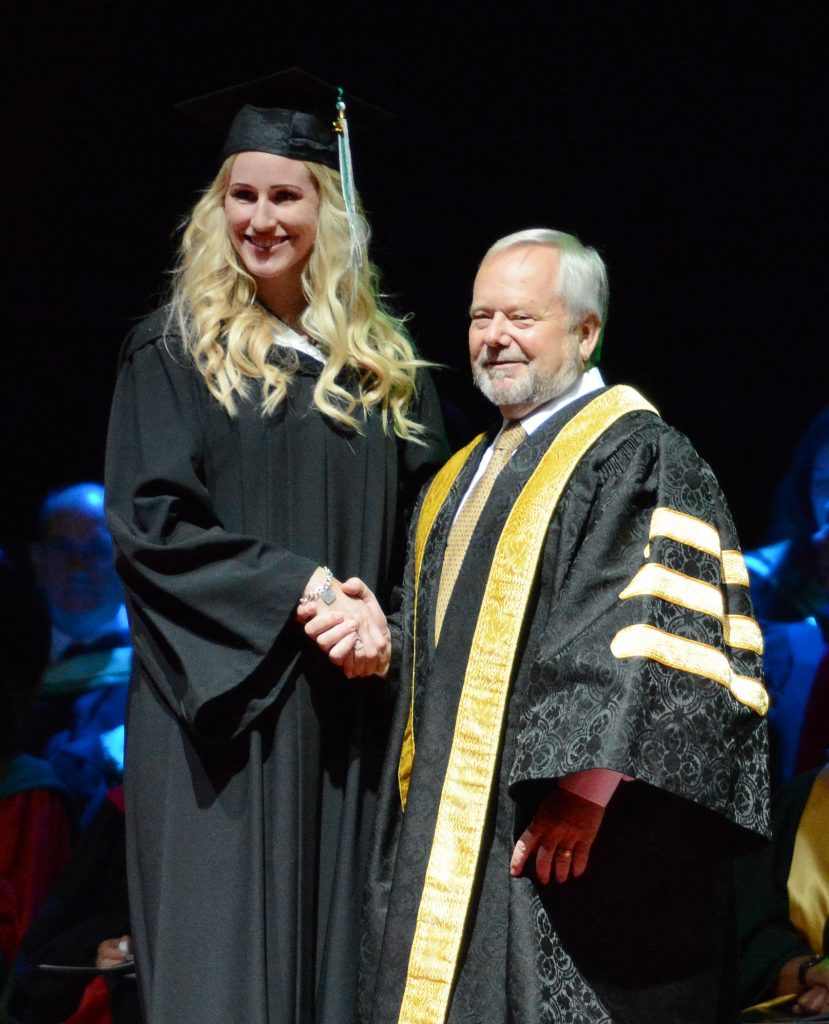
682, 141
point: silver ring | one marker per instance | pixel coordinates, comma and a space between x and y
564, 853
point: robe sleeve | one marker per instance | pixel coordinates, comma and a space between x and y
647, 660
212, 611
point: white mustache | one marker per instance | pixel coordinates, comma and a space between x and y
486, 363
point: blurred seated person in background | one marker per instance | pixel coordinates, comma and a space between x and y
85, 923
790, 591
34, 828
783, 902
78, 716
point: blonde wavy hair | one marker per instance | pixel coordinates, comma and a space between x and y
230, 336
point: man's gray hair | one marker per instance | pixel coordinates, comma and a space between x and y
582, 277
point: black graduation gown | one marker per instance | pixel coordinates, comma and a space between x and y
251, 764
646, 933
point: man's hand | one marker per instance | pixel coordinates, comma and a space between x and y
815, 998
352, 630
112, 952
356, 662
813, 1001
560, 835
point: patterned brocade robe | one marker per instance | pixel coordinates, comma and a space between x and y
626, 643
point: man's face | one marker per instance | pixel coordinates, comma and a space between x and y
75, 567
522, 350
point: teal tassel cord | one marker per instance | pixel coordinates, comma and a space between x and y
358, 241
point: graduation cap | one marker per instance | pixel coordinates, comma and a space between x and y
289, 113
293, 114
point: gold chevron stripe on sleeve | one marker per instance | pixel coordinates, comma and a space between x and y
742, 631
734, 568
654, 580
667, 522
643, 641
432, 504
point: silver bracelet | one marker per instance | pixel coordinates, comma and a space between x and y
324, 590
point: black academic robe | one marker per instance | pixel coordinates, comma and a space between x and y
646, 933
251, 764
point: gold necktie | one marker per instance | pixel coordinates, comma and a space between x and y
467, 518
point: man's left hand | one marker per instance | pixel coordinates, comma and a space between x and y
560, 835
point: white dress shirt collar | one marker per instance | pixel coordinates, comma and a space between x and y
586, 384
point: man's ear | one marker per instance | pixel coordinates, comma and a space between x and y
588, 333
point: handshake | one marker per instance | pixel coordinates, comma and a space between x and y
347, 623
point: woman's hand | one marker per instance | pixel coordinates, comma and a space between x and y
351, 629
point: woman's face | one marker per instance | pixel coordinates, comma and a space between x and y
271, 208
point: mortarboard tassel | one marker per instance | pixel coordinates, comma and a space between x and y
358, 242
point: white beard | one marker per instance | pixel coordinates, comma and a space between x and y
532, 388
